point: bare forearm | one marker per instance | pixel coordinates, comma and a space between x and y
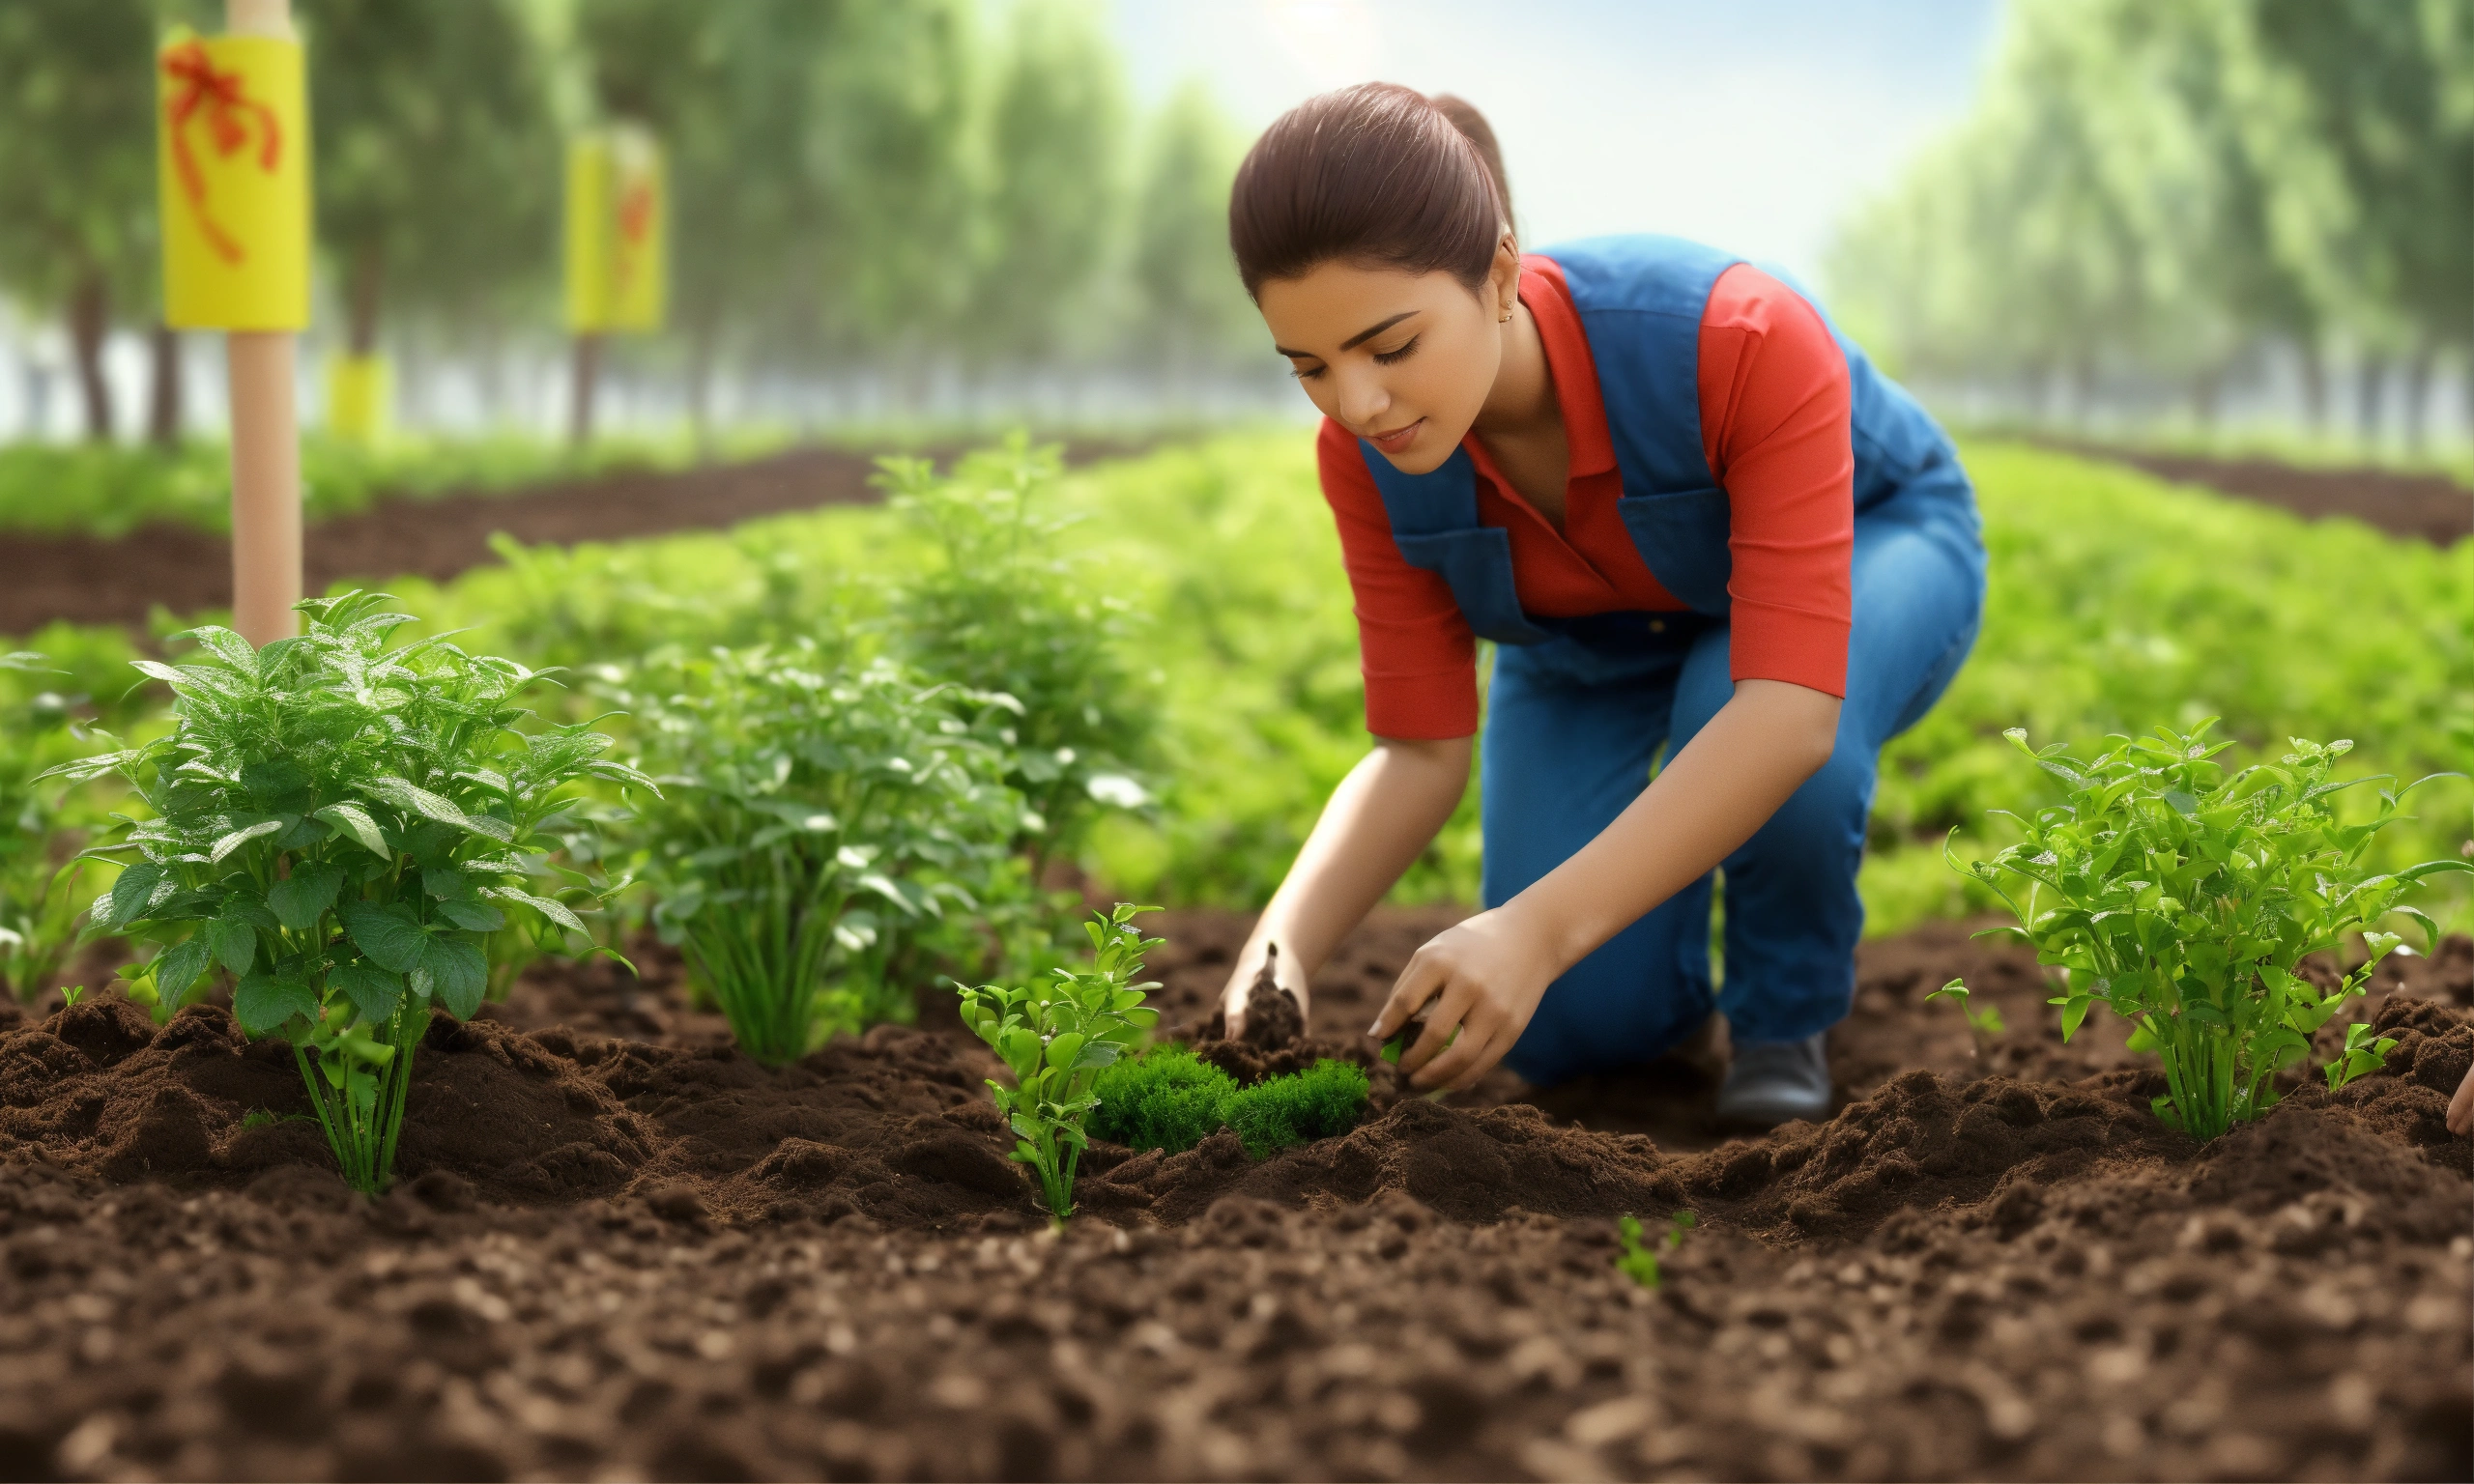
1707, 800
1382, 815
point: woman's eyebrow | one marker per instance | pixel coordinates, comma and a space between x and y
1353, 341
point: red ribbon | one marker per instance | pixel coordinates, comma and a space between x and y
227, 104
635, 225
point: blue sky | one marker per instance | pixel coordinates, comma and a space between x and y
1752, 125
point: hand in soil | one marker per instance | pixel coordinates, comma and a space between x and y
1485, 977
1259, 969
2460, 1108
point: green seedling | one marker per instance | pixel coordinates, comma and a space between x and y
1984, 1025
336, 826
2361, 1054
1639, 1260
1169, 1099
2184, 897
1057, 1039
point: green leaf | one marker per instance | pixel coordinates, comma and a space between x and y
459, 976
1063, 1050
479, 916
130, 892
372, 991
242, 836
301, 898
179, 968
263, 1003
234, 943
390, 935
408, 796
555, 911
351, 820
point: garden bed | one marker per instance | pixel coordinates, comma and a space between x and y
620, 1248
2424, 506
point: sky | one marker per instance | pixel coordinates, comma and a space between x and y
1753, 126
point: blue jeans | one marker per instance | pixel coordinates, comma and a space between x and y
1574, 724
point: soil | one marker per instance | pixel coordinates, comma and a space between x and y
122, 580
2430, 507
618, 1248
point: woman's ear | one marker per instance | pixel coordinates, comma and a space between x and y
1503, 277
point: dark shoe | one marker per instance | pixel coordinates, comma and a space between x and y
1776, 1083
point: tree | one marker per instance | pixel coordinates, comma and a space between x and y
77, 170
1190, 306
436, 166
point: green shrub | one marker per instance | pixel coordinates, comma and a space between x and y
339, 826
1166, 1098
1169, 1099
1320, 1103
2184, 898
815, 818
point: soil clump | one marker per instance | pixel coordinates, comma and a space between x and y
618, 1246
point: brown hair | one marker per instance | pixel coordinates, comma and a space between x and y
1376, 174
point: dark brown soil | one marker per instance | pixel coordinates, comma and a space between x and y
93, 580
2430, 508
621, 1249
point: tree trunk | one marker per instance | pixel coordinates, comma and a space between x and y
2207, 386
2314, 383
2371, 387
88, 321
2418, 392
164, 401
587, 371
364, 281
702, 351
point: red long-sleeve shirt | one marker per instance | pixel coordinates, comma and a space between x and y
1774, 428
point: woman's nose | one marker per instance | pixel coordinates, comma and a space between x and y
1361, 399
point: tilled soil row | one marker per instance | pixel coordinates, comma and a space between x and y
629, 1256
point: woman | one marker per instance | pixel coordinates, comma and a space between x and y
1723, 560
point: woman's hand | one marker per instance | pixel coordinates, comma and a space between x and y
1485, 977
2460, 1108
1286, 972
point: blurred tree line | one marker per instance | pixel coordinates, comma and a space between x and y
917, 187
2170, 192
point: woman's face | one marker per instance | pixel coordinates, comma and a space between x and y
1403, 360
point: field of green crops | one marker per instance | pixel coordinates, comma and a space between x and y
2117, 603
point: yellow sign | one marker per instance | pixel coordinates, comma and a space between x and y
233, 156
359, 394
618, 230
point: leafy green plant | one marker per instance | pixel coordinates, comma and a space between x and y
1057, 1038
1639, 1260
815, 818
1984, 1025
2359, 1055
1166, 1098
338, 825
1169, 1099
2184, 897
999, 606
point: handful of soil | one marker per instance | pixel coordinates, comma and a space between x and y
1275, 1043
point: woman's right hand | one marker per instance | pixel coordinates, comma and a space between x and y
1286, 972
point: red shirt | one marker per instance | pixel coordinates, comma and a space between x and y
1774, 428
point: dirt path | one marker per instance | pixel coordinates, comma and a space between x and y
91, 579
2430, 508
619, 1249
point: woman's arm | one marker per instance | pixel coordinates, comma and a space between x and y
1386, 812
1488, 974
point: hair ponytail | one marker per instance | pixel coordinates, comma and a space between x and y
1376, 174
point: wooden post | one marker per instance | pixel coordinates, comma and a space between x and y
266, 436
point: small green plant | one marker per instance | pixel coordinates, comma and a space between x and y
1057, 1039
1639, 1260
815, 820
40, 896
1169, 1099
338, 825
2360, 1055
2184, 897
1984, 1025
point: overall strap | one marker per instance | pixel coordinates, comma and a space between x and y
1434, 522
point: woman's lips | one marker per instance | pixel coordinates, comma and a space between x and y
1399, 439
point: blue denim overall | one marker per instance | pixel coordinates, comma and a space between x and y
1579, 709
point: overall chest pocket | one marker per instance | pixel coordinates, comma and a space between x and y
1683, 537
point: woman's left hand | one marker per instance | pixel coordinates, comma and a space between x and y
1484, 977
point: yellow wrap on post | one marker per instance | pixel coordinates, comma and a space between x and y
618, 228
360, 391
233, 155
